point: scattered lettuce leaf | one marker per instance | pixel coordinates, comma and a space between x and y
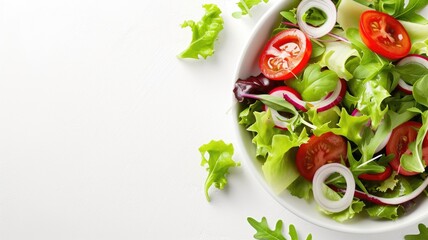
245, 6
265, 233
423, 233
217, 157
205, 33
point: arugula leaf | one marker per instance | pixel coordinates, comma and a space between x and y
205, 33
263, 230
219, 161
423, 233
265, 233
245, 6
316, 83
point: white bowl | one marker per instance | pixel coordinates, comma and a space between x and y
247, 66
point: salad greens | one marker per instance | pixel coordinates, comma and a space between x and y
217, 157
265, 233
370, 110
205, 33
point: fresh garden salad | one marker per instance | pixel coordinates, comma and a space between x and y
339, 112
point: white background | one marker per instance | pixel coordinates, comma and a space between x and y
100, 125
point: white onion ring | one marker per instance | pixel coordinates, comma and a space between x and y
327, 7
317, 185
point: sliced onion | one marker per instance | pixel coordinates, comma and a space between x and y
329, 101
318, 183
327, 7
278, 119
413, 58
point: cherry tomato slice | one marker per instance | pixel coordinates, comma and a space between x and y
398, 143
285, 54
320, 150
384, 35
377, 176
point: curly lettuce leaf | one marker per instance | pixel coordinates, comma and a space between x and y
347, 214
205, 33
280, 169
246, 117
217, 157
245, 6
264, 130
423, 233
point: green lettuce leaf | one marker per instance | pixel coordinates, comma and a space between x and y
205, 33
246, 116
217, 157
347, 214
245, 6
264, 130
384, 212
301, 188
280, 169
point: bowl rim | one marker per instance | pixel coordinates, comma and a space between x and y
384, 226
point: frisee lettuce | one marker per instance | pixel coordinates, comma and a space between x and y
205, 33
217, 157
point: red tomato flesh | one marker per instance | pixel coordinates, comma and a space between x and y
285, 54
384, 35
318, 151
398, 144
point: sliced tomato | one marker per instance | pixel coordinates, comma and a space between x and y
377, 176
285, 54
398, 144
384, 35
318, 151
